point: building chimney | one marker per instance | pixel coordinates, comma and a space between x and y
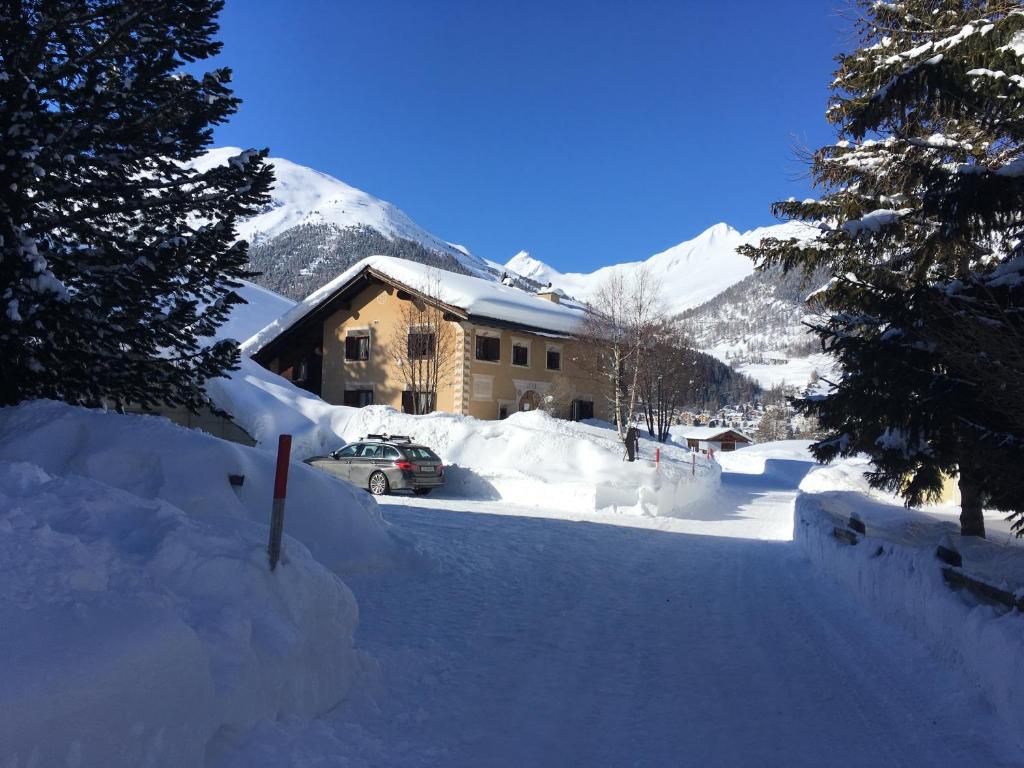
550, 295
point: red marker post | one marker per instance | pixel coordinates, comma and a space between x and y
657, 457
284, 450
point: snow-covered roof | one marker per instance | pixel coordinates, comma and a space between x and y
704, 433
480, 299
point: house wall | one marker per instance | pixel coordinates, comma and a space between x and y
488, 387
474, 387
378, 309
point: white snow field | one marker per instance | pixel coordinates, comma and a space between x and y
536, 637
139, 615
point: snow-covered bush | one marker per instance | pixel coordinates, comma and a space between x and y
139, 614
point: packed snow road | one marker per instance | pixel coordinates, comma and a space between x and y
523, 639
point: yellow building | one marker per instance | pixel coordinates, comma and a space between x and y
503, 350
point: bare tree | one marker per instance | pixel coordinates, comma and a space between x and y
423, 347
667, 376
622, 316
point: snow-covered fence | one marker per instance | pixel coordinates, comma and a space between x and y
894, 570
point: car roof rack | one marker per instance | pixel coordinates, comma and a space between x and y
389, 438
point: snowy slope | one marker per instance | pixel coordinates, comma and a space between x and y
262, 306
690, 273
303, 196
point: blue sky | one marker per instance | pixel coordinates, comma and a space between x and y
584, 132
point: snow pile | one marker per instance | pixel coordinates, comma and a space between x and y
140, 617
532, 458
537, 460
151, 458
894, 571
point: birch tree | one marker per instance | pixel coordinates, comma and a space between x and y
621, 319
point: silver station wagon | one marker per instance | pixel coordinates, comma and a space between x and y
385, 463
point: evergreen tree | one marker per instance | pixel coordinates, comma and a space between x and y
924, 188
117, 258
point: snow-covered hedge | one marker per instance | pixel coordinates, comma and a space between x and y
139, 615
895, 573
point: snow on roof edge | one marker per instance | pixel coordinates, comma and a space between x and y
476, 296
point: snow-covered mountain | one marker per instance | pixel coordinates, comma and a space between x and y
316, 226
690, 273
302, 196
757, 326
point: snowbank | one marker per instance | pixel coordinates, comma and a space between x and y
895, 573
151, 458
538, 460
139, 614
531, 458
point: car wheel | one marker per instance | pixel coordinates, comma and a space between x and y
422, 491
379, 485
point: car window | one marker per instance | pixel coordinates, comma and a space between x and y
370, 451
348, 451
419, 452
391, 453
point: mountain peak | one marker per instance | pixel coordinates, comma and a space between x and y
303, 196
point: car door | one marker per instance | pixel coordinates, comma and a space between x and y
363, 464
343, 460
338, 463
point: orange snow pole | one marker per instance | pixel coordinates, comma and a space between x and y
284, 450
657, 457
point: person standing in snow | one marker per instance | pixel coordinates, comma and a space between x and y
632, 443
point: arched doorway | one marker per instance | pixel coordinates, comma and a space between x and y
530, 401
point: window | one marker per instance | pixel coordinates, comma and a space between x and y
347, 452
554, 360
418, 452
391, 453
520, 354
371, 452
301, 371
582, 409
358, 398
357, 346
421, 345
425, 401
488, 348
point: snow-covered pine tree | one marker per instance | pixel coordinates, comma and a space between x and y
924, 186
117, 259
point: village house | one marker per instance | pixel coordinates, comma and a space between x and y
510, 350
715, 438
